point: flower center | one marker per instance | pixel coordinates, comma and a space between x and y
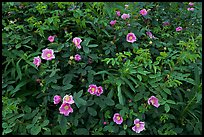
67, 98
118, 117
48, 55
152, 101
137, 125
66, 107
130, 38
92, 89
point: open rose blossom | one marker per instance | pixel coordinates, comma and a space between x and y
65, 109
77, 57
112, 23
131, 37
57, 99
154, 101
48, 54
118, 13
117, 118
92, 89
77, 41
143, 12
179, 29
125, 16
37, 61
138, 126
99, 91
51, 38
68, 99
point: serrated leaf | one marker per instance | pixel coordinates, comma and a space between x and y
92, 111
167, 108
35, 130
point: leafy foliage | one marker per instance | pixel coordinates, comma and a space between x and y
167, 66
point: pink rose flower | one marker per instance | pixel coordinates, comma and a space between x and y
117, 118
65, 109
118, 13
179, 29
68, 99
51, 38
154, 101
48, 54
112, 23
125, 16
190, 9
166, 23
77, 42
92, 89
99, 91
143, 12
57, 99
37, 61
191, 4
131, 37
77, 57
139, 126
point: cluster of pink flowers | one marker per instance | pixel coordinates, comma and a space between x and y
190, 4
94, 90
112, 23
65, 107
125, 16
77, 41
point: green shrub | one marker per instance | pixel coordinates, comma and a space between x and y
166, 65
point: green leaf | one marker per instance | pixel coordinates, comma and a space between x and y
129, 83
167, 91
86, 49
170, 101
66, 87
92, 111
92, 45
35, 130
86, 41
167, 108
45, 123
139, 77
109, 101
81, 131
120, 96
18, 70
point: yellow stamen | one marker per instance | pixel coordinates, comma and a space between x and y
137, 125
130, 38
92, 89
66, 107
67, 98
48, 55
152, 101
118, 117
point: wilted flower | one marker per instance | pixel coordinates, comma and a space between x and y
143, 12
51, 38
77, 57
117, 118
191, 4
92, 89
71, 57
112, 23
139, 126
190, 9
125, 16
154, 101
68, 99
179, 28
48, 54
57, 99
77, 41
65, 109
118, 13
166, 23
150, 34
99, 91
37, 61
131, 37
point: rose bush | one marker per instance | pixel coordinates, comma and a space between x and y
98, 68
